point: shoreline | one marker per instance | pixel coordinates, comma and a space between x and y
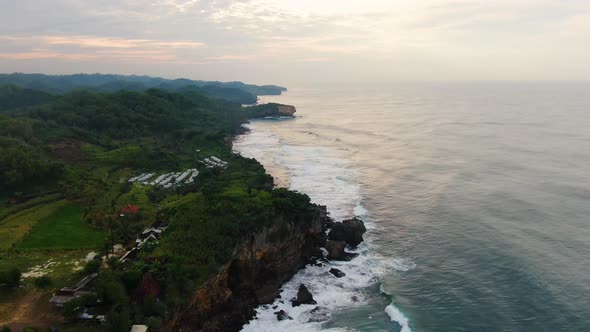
333, 294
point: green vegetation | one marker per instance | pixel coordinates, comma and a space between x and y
10, 278
64, 169
43, 282
16, 226
64, 229
232, 91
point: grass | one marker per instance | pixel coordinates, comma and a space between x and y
16, 226
7, 210
64, 229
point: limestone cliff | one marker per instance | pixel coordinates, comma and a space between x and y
269, 110
260, 265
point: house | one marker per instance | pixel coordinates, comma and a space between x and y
131, 255
67, 294
152, 231
129, 209
139, 328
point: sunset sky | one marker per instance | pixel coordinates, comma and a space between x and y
284, 41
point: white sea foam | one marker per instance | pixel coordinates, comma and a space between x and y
398, 317
325, 175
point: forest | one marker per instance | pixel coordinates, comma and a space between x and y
65, 162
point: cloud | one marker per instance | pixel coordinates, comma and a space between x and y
239, 38
82, 48
313, 60
179, 5
102, 42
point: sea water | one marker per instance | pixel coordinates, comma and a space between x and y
476, 197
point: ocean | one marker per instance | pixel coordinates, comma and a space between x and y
476, 197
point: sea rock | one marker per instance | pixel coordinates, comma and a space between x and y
282, 315
269, 110
350, 231
319, 314
303, 296
336, 251
337, 273
286, 110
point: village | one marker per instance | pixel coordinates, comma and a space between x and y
125, 254
92, 313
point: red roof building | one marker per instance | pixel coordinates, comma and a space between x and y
129, 209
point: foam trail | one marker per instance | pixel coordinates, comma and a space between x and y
398, 317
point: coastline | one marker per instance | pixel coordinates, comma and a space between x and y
332, 294
325, 172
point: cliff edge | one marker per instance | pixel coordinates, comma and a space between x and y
260, 265
269, 110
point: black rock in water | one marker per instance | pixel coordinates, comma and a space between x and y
303, 296
337, 273
282, 315
335, 249
350, 231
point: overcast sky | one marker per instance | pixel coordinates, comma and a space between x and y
285, 41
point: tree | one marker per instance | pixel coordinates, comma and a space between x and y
74, 308
10, 278
43, 282
118, 319
126, 228
110, 289
92, 266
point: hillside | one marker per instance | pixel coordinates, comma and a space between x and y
84, 171
57, 84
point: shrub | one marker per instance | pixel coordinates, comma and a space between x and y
10, 278
75, 307
110, 289
118, 320
92, 266
43, 282
154, 323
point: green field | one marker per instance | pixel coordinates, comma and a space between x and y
64, 229
16, 226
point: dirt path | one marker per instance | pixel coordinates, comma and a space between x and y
31, 311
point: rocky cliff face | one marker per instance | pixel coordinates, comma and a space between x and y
269, 110
286, 110
260, 265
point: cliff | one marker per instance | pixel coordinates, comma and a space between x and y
260, 265
269, 110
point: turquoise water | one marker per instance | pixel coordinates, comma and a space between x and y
477, 198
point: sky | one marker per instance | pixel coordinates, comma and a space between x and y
286, 41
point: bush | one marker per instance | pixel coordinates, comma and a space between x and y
110, 289
92, 266
75, 307
118, 320
154, 323
5, 329
10, 278
43, 282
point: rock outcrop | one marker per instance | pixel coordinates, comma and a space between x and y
336, 251
350, 231
260, 265
283, 315
269, 110
303, 297
337, 273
